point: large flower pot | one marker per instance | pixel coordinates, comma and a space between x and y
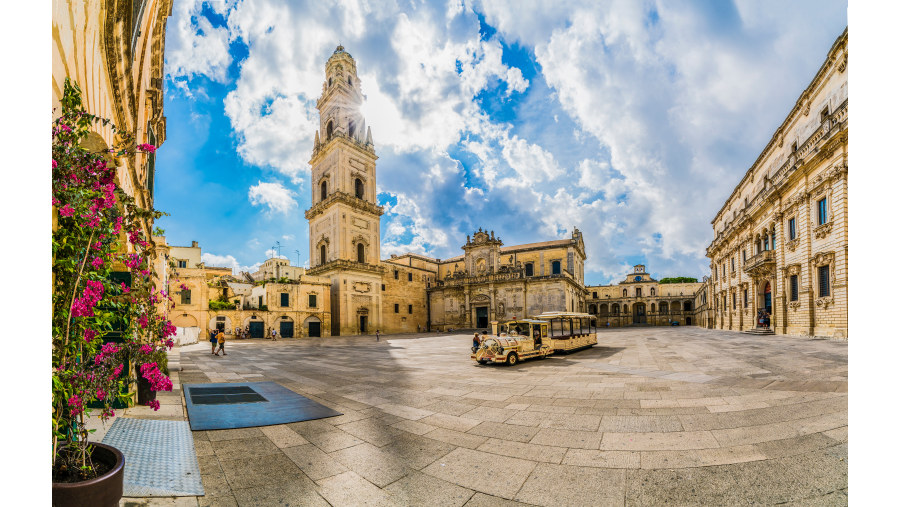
145, 394
103, 491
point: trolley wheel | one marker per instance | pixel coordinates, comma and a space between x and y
512, 359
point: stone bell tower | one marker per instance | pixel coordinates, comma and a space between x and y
345, 219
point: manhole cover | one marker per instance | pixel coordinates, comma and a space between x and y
224, 395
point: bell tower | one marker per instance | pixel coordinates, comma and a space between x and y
345, 219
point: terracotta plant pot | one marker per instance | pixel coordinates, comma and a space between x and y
145, 394
103, 491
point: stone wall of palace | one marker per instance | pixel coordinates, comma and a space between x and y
788, 218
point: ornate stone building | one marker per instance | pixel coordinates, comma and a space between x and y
493, 282
642, 300
781, 237
412, 292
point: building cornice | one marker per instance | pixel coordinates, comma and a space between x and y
345, 198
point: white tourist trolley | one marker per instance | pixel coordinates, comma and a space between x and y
570, 331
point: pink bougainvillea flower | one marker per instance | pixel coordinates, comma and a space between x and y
54, 164
97, 263
89, 335
153, 404
125, 289
149, 148
143, 321
67, 210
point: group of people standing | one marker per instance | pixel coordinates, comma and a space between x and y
217, 337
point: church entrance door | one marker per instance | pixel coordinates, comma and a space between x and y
363, 324
481, 317
640, 313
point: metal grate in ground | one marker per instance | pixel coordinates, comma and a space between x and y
159, 457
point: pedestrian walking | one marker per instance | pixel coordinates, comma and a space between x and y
213, 339
221, 339
377, 335
273, 333
476, 342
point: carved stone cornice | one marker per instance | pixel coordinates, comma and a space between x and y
345, 265
345, 198
825, 302
794, 305
792, 244
823, 230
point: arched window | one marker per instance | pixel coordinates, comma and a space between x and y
624, 308
652, 291
637, 292
350, 80
324, 190
624, 293
592, 309
773, 237
664, 308
322, 255
652, 307
556, 267
329, 82
615, 309
604, 309
360, 252
351, 129
329, 130
359, 188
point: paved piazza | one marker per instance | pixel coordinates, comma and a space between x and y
648, 416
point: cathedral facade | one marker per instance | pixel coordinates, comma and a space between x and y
412, 292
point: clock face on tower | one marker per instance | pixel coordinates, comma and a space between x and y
638, 278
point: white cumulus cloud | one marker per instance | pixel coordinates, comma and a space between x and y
273, 195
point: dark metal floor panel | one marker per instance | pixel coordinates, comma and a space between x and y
237, 405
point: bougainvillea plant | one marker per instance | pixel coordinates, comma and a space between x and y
98, 241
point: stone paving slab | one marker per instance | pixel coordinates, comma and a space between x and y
681, 416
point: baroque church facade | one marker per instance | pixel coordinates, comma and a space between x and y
413, 292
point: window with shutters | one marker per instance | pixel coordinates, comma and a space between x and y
556, 267
792, 228
529, 269
182, 264
824, 282
186, 297
285, 299
312, 301
795, 287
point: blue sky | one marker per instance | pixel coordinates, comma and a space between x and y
632, 121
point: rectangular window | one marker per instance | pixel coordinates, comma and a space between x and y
382, 286
823, 212
766, 243
792, 229
733, 300
409, 277
824, 285
285, 299
410, 309
595, 295
182, 264
795, 288
186, 297
529, 269
312, 300
745, 298
396, 308
744, 254
396, 275
732, 264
